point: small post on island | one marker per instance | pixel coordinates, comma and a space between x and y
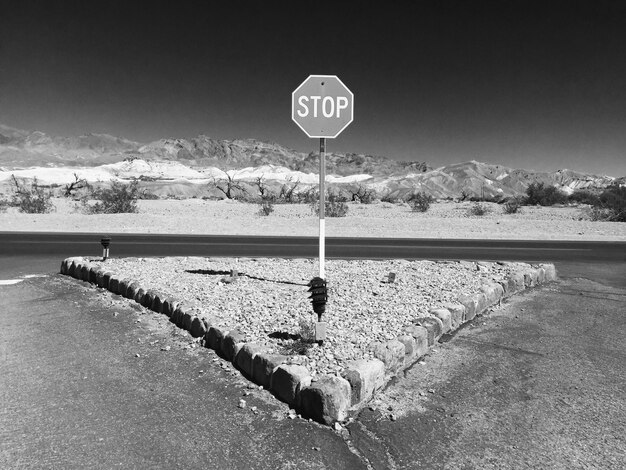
322, 106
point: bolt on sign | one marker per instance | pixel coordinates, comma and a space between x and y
322, 106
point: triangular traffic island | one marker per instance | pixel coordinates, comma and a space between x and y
343, 387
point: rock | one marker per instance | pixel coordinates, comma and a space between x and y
365, 377
84, 272
213, 337
157, 302
242, 403
74, 266
433, 325
493, 293
445, 316
516, 282
392, 355
169, 305
530, 278
287, 381
550, 272
114, 284
177, 315
457, 312
231, 344
197, 329
122, 287
409, 347
469, 302
132, 290
104, 282
148, 298
93, 274
541, 275
327, 400
263, 366
421, 339
245, 358
187, 320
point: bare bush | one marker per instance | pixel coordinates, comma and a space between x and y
31, 200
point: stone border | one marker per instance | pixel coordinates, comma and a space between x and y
329, 398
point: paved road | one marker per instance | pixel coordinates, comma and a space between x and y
537, 384
71, 244
74, 394
540, 383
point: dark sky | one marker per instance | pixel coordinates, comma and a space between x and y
538, 85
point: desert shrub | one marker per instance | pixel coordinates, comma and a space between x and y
287, 193
120, 198
387, 197
583, 197
477, 209
512, 206
612, 204
4, 204
302, 341
420, 202
266, 206
31, 200
310, 196
540, 194
363, 194
335, 205
148, 196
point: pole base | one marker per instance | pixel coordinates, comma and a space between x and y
320, 331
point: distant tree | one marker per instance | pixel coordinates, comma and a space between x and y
262, 186
288, 191
538, 193
228, 185
77, 184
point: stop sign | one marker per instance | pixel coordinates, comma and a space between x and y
322, 106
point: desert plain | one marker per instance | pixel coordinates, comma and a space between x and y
444, 219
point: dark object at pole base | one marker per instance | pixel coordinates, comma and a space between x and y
319, 295
105, 242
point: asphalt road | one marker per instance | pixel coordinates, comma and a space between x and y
538, 383
72, 244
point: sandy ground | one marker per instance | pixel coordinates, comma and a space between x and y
443, 220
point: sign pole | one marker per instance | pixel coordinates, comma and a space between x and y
322, 253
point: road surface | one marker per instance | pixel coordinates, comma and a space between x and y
84, 383
72, 244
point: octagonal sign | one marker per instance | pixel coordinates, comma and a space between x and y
322, 106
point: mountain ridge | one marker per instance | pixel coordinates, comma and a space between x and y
28, 149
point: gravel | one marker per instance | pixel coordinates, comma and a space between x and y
269, 301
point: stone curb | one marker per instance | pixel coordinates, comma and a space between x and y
330, 398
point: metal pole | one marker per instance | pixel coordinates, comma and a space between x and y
322, 205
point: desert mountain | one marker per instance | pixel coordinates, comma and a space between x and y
184, 167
